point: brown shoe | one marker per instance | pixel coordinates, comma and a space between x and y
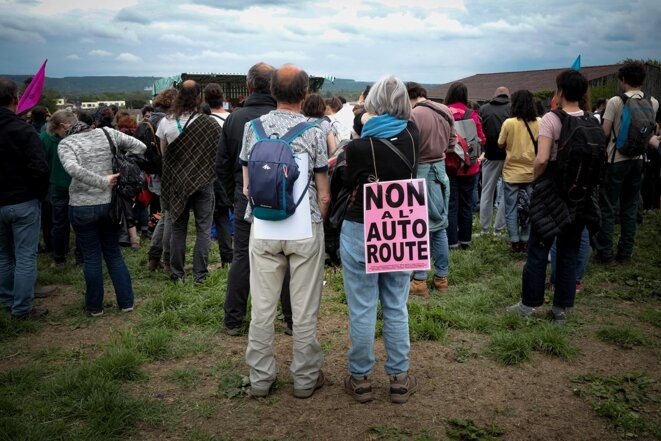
360, 389
153, 264
419, 288
402, 386
34, 314
441, 284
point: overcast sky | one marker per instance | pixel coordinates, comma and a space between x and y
431, 41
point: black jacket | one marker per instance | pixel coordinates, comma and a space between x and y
493, 114
228, 167
390, 167
550, 214
23, 165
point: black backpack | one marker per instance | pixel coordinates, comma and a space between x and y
154, 160
131, 180
580, 157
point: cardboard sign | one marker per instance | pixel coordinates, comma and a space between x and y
396, 226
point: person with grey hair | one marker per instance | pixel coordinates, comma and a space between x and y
369, 159
87, 155
23, 183
270, 258
58, 190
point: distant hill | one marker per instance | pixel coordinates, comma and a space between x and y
91, 85
73, 86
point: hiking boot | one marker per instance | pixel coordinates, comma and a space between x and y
259, 392
307, 393
402, 386
34, 314
441, 284
419, 288
360, 389
153, 264
520, 309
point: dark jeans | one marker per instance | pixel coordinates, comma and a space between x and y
622, 183
221, 217
238, 279
534, 271
460, 210
201, 202
61, 227
98, 236
47, 225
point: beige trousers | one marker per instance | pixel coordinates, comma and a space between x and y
268, 263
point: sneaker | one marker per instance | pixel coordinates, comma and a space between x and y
307, 393
579, 287
129, 309
441, 284
559, 318
41, 292
96, 313
419, 288
520, 309
34, 314
360, 389
232, 332
402, 386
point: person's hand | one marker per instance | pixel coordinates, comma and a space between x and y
655, 141
481, 158
112, 179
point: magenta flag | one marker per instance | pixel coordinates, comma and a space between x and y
32, 93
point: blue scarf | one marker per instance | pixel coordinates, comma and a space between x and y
383, 126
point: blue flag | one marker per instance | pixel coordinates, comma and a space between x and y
577, 63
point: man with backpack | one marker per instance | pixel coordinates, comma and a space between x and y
628, 123
567, 169
269, 259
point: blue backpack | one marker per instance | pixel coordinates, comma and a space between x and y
272, 171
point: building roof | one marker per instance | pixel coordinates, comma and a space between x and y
482, 86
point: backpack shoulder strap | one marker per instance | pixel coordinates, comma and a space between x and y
258, 128
396, 151
445, 116
113, 149
624, 97
467, 113
217, 116
561, 114
296, 131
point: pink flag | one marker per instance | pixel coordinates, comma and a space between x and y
32, 93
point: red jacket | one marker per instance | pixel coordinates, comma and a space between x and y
458, 110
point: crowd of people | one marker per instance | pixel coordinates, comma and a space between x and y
198, 156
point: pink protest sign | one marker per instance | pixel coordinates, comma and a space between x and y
396, 226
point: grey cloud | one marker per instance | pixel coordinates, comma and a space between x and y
132, 16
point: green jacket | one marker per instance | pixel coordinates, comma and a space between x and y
59, 179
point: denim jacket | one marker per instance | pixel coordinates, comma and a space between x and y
438, 193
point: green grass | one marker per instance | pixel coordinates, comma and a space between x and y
625, 338
629, 402
88, 392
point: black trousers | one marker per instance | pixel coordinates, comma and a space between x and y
238, 279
